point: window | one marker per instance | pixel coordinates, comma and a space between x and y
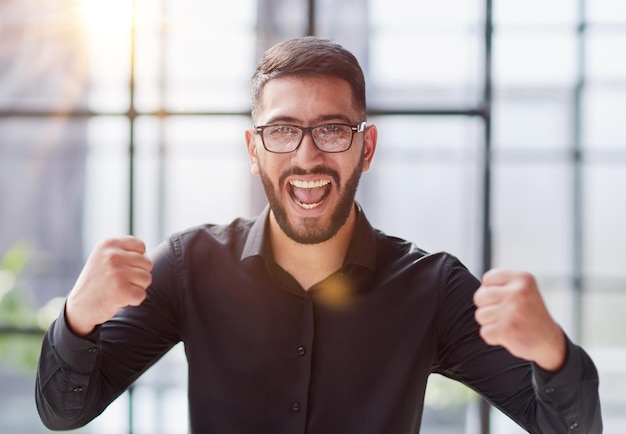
128, 117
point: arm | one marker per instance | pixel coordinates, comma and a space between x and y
541, 400
511, 313
80, 374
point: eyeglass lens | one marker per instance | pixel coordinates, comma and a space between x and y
286, 138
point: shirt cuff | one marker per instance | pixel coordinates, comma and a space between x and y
78, 352
548, 383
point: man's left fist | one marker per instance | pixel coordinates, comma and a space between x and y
512, 313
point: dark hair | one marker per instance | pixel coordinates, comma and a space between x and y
307, 57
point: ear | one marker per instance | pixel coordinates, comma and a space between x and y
370, 137
252, 151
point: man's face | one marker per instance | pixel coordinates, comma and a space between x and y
310, 192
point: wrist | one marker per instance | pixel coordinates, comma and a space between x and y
77, 327
553, 357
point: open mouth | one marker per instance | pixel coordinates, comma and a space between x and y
309, 194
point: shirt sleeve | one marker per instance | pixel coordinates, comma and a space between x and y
566, 401
78, 377
63, 377
570, 395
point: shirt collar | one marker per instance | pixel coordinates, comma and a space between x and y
256, 237
361, 251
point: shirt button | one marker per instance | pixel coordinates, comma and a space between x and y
550, 389
573, 426
92, 349
301, 350
78, 389
295, 406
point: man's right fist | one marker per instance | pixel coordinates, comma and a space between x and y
116, 274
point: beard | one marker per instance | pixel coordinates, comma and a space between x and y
310, 230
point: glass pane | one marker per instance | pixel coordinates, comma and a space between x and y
201, 71
606, 55
604, 122
539, 58
151, 33
150, 181
604, 307
535, 12
17, 376
107, 180
424, 183
414, 70
43, 58
604, 217
424, 56
108, 31
606, 11
207, 171
532, 223
42, 175
532, 123
419, 14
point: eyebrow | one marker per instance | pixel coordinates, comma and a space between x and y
321, 119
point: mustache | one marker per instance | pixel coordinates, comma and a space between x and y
318, 170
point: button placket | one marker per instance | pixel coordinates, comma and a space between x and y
300, 354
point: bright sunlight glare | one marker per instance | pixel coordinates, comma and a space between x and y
107, 16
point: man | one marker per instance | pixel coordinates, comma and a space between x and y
306, 319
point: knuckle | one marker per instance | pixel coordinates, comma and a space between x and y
114, 258
488, 336
525, 279
107, 243
137, 297
118, 282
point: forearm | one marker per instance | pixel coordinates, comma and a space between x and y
540, 401
64, 386
79, 376
568, 400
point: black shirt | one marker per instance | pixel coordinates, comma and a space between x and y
350, 355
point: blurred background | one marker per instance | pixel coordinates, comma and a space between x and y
502, 140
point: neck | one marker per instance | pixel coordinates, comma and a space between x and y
311, 263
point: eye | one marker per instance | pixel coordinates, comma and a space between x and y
331, 129
283, 131
332, 132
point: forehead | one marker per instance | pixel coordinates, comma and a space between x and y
306, 99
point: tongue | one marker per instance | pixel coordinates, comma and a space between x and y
309, 195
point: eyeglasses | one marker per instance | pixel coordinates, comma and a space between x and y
284, 138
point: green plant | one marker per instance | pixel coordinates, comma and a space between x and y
20, 345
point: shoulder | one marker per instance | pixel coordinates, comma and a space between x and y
395, 253
221, 234
203, 241
390, 249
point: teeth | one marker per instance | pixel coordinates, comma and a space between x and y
310, 184
307, 205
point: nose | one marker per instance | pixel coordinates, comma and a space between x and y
307, 154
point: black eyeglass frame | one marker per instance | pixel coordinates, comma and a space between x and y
357, 128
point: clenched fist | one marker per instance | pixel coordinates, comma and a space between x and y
115, 275
512, 313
